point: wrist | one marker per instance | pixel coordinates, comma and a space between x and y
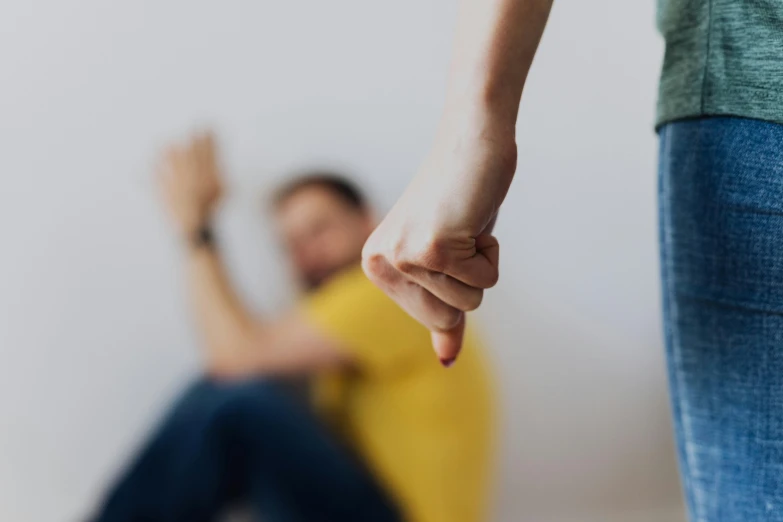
201, 237
474, 115
485, 101
470, 123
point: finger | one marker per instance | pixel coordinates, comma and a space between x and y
206, 154
208, 144
448, 344
481, 269
176, 159
211, 159
201, 146
168, 167
193, 155
425, 307
446, 288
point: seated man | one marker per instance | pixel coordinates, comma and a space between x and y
395, 437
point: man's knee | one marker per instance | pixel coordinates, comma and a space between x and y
207, 402
254, 397
208, 390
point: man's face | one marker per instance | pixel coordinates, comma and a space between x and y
321, 232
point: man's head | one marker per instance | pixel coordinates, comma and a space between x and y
323, 220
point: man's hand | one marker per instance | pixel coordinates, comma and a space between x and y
191, 182
232, 362
237, 344
434, 252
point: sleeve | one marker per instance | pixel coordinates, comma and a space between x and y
376, 333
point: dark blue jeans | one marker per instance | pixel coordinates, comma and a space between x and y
244, 442
721, 216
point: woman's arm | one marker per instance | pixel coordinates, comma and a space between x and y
434, 252
495, 44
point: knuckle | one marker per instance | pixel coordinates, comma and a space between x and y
434, 256
447, 319
372, 264
368, 251
473, 301
403, 265
493, 279
400, 259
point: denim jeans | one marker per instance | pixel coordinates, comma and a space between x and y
244, 442
721, 234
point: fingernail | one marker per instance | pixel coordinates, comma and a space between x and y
448, 362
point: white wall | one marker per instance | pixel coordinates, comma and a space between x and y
93, 331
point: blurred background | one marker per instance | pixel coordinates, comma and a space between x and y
93, 330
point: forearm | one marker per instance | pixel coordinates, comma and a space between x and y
221, 316
495, 44
239, 346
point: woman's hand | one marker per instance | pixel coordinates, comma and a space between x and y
434, 253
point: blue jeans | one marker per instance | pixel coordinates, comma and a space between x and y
244, 442
721, 223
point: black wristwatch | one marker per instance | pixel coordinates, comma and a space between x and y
203, 237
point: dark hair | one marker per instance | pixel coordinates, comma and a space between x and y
335, 183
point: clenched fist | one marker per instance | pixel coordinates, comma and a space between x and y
434, 253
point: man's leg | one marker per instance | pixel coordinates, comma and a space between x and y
187, 471
296, 471
721, 209
224, 441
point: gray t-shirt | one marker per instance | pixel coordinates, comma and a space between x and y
723, 57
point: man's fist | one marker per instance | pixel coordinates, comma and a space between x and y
434, 253
191, 181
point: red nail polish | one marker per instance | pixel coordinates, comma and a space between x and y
448, 362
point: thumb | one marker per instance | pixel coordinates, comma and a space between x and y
481, 269
448, 344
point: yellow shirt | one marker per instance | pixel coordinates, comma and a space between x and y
425, 431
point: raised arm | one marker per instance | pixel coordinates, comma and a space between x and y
237, 343
434, 252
